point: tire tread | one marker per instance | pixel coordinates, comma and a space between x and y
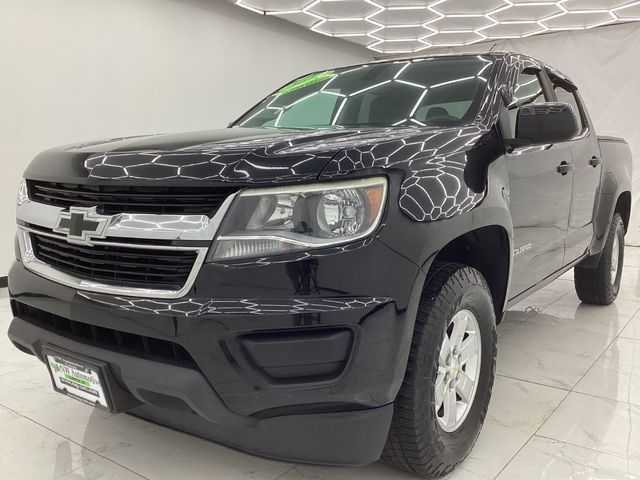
594, 285
408, 447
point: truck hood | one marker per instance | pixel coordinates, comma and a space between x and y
434, 161
232, 155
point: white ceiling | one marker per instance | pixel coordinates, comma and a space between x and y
408, 26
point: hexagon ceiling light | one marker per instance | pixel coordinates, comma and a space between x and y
409, 26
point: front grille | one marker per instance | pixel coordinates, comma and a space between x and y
112, 199
123, 342
115, 265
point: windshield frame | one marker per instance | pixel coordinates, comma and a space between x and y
471, 116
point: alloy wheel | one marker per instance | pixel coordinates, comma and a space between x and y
458, 370
615, 259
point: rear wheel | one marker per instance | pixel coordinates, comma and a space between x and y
601, 285
443, 400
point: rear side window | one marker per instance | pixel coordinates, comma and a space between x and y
567, 96
528, 90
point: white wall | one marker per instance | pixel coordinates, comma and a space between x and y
74, 70
605, 64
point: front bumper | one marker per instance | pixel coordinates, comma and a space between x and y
302, 377
339, 438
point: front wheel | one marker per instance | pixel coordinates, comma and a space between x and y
600, 285
443, 401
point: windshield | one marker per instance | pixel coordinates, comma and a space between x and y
434, 91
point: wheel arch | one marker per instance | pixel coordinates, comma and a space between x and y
609, 206
623, 207
488, 250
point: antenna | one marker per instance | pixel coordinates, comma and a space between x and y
492, 47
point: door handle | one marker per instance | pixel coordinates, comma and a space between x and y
564, 168
594, 162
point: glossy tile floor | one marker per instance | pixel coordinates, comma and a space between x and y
566, 405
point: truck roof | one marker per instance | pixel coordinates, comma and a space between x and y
553, 72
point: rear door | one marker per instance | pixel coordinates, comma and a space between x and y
586, 172
540, 194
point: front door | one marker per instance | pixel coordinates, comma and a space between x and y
540, 180
540, 198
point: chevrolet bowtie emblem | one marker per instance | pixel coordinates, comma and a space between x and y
81, 225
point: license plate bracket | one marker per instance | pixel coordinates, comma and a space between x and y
78, 377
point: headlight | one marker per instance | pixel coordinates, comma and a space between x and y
23, 193
273, 221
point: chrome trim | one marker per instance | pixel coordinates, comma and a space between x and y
112, 244
135, 225
51, 273
124, 225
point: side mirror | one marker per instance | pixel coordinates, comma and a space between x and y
544, 123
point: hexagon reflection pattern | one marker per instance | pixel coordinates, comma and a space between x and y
435, 188
436, 161
434, 158
406, 26
193, 307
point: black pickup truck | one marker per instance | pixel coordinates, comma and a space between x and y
321, 281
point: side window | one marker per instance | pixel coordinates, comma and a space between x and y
528, 90
567, 96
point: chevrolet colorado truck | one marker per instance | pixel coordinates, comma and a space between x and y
321, 281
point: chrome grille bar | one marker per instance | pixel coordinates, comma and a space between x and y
127, 230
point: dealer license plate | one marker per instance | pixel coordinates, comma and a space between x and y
77, 380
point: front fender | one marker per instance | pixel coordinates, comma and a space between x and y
421, 241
